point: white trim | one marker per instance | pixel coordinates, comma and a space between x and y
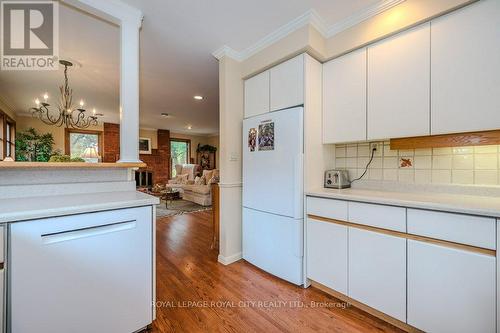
312, 18
230, 185
114, 11
229, 260
361, 16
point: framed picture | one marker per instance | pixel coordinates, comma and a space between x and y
144, 146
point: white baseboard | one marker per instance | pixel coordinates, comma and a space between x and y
229, 260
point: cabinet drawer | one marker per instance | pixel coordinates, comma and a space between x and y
385, 217
465, 229
334, 209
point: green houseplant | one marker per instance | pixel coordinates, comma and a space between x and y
32, 146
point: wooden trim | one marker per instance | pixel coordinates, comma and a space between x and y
68, 131
399, 234
4, 119
393, 321
448, 140
69, 165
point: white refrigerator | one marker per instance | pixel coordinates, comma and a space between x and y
273, 193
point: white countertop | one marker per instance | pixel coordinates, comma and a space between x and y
457, 203
20, 209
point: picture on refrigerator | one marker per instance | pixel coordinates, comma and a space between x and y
266, 136
252, 139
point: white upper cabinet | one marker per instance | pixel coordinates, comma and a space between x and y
344, 98
257, 95
466, 69
287, 84
399, 85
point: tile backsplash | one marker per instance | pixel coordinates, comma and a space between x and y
458, 165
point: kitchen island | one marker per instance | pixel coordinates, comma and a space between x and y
78, 248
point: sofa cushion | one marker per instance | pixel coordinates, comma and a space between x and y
200, 180
201, 189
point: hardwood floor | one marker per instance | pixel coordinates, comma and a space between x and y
197, 294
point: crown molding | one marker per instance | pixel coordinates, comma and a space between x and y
312, 18
361, 16
115, 11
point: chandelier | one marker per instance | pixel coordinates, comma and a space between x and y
69, 116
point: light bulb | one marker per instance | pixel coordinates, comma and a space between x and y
93, 111
37, 101
46, 97
81, 102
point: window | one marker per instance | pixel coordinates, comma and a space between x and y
179, 152
84, 144
7, 136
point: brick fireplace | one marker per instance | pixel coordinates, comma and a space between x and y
158, 162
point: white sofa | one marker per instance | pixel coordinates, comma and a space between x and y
197, 193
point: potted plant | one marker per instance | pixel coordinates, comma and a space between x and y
32, 146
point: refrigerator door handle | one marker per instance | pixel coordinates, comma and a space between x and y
298, 175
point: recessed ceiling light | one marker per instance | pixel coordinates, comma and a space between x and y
189, 127
164, 114
198, 97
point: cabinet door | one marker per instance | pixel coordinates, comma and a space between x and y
465, 69
450, 290
257, 95
327, 254
377, 271
344, 98
287, 84
398, 85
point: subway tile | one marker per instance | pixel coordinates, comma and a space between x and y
462, 176
353, 173
441, 162
362, 162
441, 176
441, 151
423, 162
485, 161
363, 150
423, 152
391, 174
376, 163
463, 162
388, 152
423, 176
352, 151
406, 152
485, 149
351, 162
463, 150
406, 175
340, 162
486, 177
340, 151
376, 174
390, 162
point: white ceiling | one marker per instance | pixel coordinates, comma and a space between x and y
177, 40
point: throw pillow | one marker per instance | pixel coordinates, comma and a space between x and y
200, 180
213, 180
182, 179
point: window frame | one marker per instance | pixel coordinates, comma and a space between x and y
67, 141
188, 142
4, 141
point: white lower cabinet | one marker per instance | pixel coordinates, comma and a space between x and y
450, 290
327, 254
377, 271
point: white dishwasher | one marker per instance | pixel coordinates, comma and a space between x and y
82, 273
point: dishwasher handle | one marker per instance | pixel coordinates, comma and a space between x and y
74, 234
